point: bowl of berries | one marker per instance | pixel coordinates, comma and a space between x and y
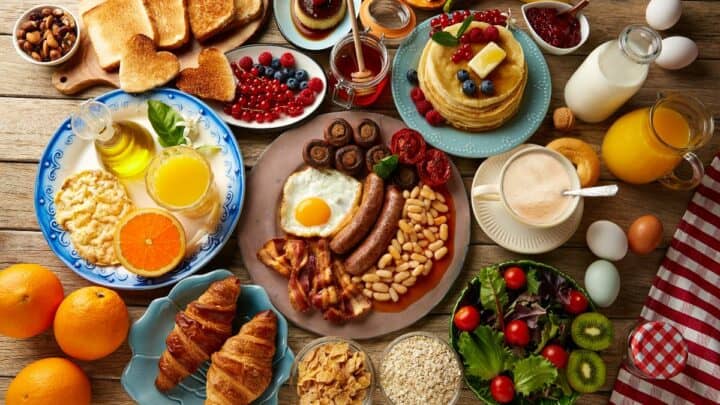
276, 87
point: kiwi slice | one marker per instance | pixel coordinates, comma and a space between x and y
592, 331
585, 371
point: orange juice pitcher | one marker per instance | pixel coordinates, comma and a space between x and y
647, 145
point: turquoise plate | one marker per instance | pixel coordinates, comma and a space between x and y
282, 9
147, 342
533, 107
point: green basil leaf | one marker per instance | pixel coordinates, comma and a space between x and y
465, 25
167, 123
445, 38
385, 167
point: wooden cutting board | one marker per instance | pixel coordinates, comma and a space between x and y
83, 70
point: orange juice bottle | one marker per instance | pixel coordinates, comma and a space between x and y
646, 145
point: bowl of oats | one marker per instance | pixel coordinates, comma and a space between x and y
420, 368
333, 370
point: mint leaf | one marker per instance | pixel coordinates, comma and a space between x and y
483, 353
386, 166
445, 38
465, 25
533, 373
493, 295
533, 285
167, 123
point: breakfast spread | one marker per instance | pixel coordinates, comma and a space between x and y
48, 34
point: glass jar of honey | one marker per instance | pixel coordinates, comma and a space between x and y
348, 91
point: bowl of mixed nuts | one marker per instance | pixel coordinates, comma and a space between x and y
46, 35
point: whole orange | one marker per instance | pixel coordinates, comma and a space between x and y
91, 323
29, 296
49, 381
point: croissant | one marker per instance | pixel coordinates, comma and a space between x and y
200, 330
241, 371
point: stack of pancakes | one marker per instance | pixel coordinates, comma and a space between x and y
438, 80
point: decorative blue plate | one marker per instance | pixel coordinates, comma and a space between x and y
65, 155
147, 342
533, 108
282, 9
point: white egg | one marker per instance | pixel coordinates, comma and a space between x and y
663, 14
602, 282
318, 202
607, 240
677, 53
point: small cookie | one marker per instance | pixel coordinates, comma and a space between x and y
581, 155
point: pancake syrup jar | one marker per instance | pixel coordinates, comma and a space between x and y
347, 91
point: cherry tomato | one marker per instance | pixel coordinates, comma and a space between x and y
435, 169
467, 318
502, 389
517, 333
555, 355
409, 145
514, 278
578, 303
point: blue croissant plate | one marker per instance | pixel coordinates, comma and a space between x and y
147, 342
533, 108
65, 154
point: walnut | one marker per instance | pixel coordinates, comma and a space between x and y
563, 119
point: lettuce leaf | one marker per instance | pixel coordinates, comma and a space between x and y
533, 373
493, 295
483, 353
533, 284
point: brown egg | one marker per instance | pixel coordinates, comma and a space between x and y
645, 234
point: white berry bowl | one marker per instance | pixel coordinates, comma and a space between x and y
584, 26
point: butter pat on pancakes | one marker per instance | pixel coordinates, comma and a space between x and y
318, 202
533, 186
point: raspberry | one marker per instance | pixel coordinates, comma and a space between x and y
316, 84
246, 63
423, 106
491, 33
307, 93
434, 118
287, 60
417, 94
265, 58
476, 35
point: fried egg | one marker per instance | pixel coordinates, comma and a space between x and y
318, 202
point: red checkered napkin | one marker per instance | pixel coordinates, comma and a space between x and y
686, 295
658, 350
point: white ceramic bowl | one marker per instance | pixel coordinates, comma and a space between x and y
584, 26
25, 16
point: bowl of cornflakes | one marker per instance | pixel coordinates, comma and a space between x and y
333, 369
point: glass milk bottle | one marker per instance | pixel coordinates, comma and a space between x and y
612, 73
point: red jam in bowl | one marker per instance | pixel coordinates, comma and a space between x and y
560, 31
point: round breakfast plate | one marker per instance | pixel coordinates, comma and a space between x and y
533, 108
259, 223
283, 17
505, 230
147, 342
65, 154
302, 61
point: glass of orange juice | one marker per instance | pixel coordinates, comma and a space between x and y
180, 179
648, 144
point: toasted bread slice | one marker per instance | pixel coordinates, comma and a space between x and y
142, 68
171, 22
209, 17
212, 79
110, 26
247, 11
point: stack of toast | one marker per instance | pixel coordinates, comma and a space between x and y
127, 34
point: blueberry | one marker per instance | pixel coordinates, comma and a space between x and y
279, 75
275, 64
487, 87
463, 75
412, 76
260, 69
303, 85
301, 75
269, 72
290, 72
292, 83
469, 87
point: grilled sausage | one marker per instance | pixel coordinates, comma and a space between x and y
379, 238
364, 218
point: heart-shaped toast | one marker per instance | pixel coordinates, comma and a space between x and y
212, 79
142, 68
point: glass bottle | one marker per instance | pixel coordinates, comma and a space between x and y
612, 73
655, 351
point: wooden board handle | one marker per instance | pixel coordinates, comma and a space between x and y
82, 71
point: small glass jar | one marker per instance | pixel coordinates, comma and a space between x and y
655, 351
392, 19
347, 91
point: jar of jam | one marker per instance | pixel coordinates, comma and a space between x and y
655, 351
349, 91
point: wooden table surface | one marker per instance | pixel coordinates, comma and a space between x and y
31, 109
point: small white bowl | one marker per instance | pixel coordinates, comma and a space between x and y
584, 26
25, 16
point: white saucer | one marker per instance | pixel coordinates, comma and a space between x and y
507, 232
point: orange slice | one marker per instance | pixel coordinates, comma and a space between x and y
149, 242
